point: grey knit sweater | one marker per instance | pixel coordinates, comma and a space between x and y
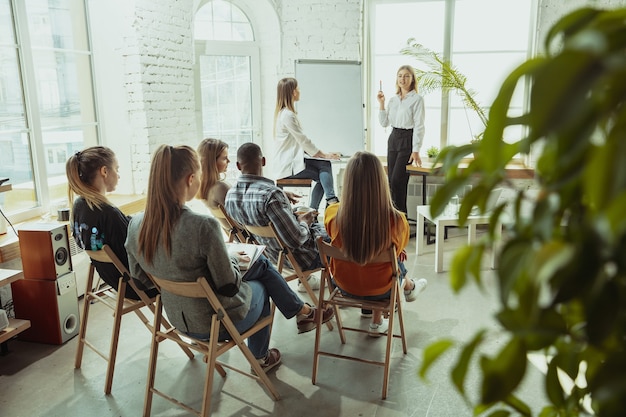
198, 250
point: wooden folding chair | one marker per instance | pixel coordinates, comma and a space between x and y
234, 231
296, 271
337, 299
116, 301
211, 348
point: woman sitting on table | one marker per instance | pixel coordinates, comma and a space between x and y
172, 242
292, 145
363, 225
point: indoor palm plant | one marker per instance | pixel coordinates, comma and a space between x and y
562, 270
441, 74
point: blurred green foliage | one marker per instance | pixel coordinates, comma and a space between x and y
562, 268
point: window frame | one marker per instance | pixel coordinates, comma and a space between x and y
250, 49
447, 52
33, 128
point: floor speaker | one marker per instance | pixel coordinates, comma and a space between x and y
51, 307
45, 250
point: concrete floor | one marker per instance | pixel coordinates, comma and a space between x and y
40, 380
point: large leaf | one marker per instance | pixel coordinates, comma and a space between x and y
432, 353
502, 374
460, 368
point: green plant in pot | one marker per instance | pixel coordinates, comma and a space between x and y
562, 269
432, 152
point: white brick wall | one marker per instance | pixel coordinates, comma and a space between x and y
157, 51
320, 29
159, 80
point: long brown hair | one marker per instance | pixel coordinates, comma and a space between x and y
170, 166
366, 213
209, 150
284, 96
81, 170
413, 85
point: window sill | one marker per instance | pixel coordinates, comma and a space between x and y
9, 243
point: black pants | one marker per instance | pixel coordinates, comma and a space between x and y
399, 148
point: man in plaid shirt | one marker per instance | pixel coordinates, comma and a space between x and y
257, 201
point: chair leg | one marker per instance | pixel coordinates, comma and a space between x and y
154, 352
83, 323
211, 359
401, 323
115, 336
311, 293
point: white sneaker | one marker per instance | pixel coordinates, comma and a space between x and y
418, 287
314, 282
377, 330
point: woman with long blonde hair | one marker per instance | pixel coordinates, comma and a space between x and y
363, 225
296, 155
95, 221
171, 241
405, 113
214, 162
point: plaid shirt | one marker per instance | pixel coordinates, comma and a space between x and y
256, 201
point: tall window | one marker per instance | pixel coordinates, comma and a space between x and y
484, 39
226, 69
46, 100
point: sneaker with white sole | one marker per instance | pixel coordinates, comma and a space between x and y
314, 282
418, 287
378, 329
270, 361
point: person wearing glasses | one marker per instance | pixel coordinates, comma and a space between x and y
405, 114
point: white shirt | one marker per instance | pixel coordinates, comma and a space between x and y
291, 144
407, 113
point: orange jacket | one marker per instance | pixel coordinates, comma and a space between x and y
373, 279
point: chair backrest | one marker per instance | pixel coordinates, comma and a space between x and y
191, 289
233, 229
106, 255
270, 232
327, 252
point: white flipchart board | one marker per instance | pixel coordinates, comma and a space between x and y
331, 107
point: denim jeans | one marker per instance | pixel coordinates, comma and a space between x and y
266, 283
287, 301
259, 307
320, 171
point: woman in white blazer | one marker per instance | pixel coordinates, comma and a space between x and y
296, 155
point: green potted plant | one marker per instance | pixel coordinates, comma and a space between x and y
432, 153
561, 279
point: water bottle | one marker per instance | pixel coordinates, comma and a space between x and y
454, 202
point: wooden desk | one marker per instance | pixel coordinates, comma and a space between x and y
424, 171
513, 171
16, 326
423, 213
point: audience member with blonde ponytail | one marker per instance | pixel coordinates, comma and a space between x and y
173, 242
91, 174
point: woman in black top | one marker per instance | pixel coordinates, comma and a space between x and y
91, 174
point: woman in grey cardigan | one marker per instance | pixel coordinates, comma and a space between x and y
172, 242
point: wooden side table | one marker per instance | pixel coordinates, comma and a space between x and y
16, 326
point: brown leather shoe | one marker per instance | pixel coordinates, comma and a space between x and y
308, 323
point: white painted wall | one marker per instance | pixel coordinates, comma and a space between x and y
143, 57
